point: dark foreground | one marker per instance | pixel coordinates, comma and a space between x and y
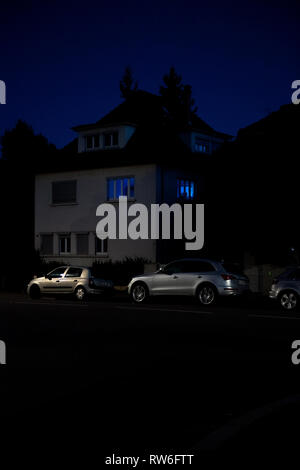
108, 377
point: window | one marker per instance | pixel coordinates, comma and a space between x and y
117, 187
195, 266
96, 141
74, 272
111, 139
215, 146
172, 268
92, 141
46, 245
201, 145
82, 243
64, 244
64, 192
58, 272
294, 275
89, 142
185, 189
233, 268
100, 246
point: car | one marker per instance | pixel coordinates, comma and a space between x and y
201, 278
285, 289
75, 280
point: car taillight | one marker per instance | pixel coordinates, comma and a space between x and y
228, 277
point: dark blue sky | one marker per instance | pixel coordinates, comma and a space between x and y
62, 61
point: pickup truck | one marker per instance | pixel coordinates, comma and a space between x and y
76, 280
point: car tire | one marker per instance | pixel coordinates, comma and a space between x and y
80, 293
288, 300
207, 295
139, 293
34, 292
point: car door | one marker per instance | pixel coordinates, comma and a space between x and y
52, 282
294, 280
70, 280
194, 272
168, 281
188, 277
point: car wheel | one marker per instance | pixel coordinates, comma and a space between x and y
207, 295
35, 292
139, 293
288, 300
80, 293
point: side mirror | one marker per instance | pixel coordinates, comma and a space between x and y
161, 269
48, 277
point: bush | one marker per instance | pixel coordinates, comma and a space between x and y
16, 273
120, 272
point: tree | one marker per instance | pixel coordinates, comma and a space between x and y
188, 102
127, 84
177, 98
23, 154
22, 147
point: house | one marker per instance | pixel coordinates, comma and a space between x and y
133, 151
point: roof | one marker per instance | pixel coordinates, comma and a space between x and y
144, 107
140, 107
155, 139
285, 120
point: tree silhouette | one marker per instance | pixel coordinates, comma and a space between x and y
127, 84
188, 102
23, 154
22, 147
177, 99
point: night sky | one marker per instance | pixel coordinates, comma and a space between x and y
62, 61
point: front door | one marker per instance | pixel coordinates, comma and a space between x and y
70, 280
168, 281
52, 282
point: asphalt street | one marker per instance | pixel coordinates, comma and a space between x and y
168, 376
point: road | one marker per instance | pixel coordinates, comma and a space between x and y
162, 376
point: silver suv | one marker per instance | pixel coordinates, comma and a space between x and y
75, 280
201, 278
286, 288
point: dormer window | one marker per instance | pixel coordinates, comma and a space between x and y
201, 145
92, 141
111, 139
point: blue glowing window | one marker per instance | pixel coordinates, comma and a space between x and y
185, 189
119, 191
131, 187
192, 189
110, 189
117, 187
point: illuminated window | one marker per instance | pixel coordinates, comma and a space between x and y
117, 187
185, 189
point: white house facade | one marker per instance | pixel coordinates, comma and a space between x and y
120, 155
